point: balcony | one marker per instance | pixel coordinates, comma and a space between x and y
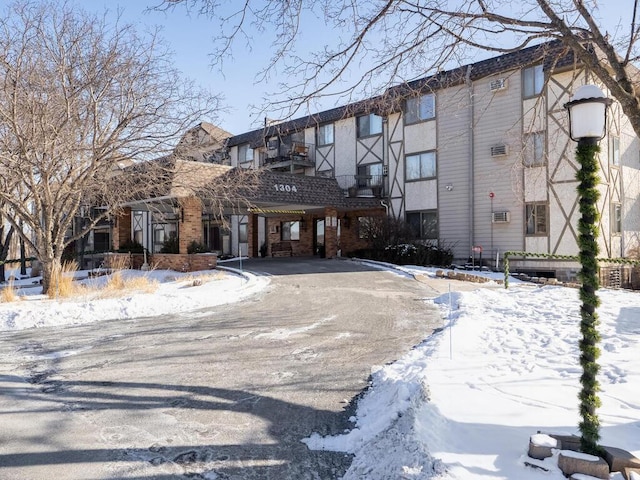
362, 185
288, 157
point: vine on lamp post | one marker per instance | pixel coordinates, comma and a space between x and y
587, 123
586, 154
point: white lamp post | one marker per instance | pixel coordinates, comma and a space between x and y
587, 123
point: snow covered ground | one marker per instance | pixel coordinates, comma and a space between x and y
463, 404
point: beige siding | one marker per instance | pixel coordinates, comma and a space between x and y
453, 154
497, 120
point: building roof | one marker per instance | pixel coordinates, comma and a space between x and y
553, 55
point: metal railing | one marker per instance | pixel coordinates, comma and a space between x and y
362, 185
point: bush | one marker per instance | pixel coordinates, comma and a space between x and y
130, 246
408, 254
170, 245
197, 247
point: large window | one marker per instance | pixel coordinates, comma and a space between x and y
290, 230
536, 218
614, 151
532, 81
421, 166
325, 134
534, 149
424, 225
616, 217
369, 125
245, 154
418, 109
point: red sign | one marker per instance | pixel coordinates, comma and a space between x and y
491, 194
477, 249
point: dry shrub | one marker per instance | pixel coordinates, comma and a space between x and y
62, 283
196, 280
115, 281
143, 284
9, 293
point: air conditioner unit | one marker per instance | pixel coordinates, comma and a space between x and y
499, 150
500, 217
498, 84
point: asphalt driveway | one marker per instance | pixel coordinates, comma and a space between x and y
226, 393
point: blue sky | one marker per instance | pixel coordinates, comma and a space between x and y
191, 39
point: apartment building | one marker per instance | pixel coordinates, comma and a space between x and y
477, 159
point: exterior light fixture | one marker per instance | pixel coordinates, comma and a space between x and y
587, 114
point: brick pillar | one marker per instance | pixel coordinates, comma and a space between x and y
189, 222
331, 232
121, 232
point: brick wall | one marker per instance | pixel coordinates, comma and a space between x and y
122, 231
164, 261
349, 236
190, 226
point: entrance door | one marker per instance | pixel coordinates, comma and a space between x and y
318, 238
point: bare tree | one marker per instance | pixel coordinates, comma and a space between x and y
379, 43
82, 100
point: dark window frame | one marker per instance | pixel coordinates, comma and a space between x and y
530, 86
427, 226
321, 139
421, 175
369, 132
412, 113
289, 230
532, 224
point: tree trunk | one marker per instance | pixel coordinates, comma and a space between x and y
23, 253
4, 251
50, 270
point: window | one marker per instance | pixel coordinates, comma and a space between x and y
424, 225
290, 230
421, 108
138, 227
534, 150
532, 81
369, 125
616, 217
536, 218
369, 175
245, 153
421, 165
325, 134
366, 228
614, 151
243, 231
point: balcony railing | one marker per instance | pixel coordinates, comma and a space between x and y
362, 185
288, 155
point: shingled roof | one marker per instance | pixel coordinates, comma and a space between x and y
553, 55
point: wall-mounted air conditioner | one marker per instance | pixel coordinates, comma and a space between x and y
499, 150
500, 217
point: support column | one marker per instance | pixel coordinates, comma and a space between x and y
121, 231
331, 232
189, 222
